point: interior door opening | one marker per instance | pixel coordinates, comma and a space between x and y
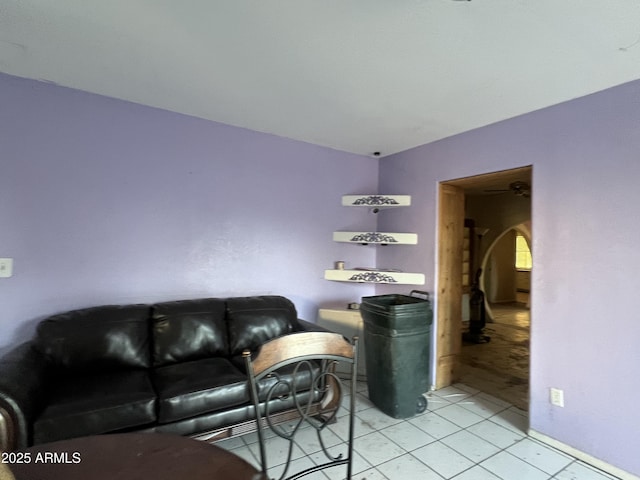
491, 206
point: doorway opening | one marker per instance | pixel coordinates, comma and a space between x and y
501, 366
479, 220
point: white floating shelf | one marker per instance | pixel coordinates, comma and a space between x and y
374, 276
377, 201
380, 238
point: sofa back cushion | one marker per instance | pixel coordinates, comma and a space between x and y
189, 330
105, 338
253, 321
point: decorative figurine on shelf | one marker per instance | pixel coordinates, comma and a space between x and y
477, 314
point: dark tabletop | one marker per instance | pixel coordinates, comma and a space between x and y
130, 456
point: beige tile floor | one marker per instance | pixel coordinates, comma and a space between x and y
465, 434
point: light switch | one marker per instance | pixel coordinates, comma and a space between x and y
6, 267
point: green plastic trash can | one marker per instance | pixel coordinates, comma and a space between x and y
397, 337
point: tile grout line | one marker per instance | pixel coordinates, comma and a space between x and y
524, 437
475, 463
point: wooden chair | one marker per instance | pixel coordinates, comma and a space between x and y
301, 366
5, 472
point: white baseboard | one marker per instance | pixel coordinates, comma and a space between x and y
586, 458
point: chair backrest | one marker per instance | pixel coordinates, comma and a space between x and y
301, 367
5, 472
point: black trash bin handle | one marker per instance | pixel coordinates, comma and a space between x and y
419, 292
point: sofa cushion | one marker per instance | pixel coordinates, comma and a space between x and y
193, 388
253, 321
96, 403
188, 330
105, 338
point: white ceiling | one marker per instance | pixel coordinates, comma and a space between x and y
355, 75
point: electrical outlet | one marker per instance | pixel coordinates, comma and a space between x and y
556, 396
6, 267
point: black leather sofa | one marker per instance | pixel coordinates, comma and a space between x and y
169, 367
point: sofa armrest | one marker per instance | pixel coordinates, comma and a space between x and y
304, 326
22, 390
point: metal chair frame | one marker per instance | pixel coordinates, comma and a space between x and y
317, 354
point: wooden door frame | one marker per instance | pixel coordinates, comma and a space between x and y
449, 305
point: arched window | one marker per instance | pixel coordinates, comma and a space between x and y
523, 254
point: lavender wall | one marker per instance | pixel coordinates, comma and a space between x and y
103, 201
585, 281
